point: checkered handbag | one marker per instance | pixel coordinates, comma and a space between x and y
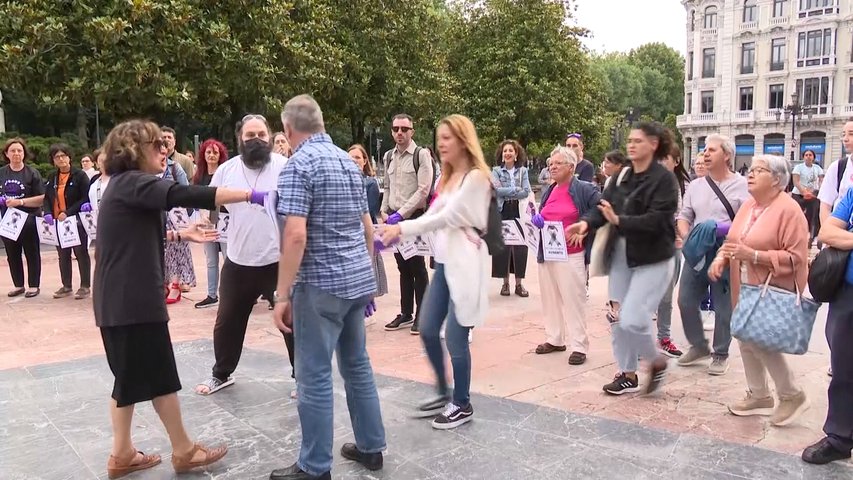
774, 318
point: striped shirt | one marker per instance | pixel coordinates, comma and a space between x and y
322, 183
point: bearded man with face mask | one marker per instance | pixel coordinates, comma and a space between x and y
251, 266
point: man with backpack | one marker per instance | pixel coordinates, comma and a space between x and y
409, 182
838, 176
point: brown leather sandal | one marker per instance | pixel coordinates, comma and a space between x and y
185, 463
548, 348
118, 468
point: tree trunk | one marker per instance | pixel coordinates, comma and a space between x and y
82, 121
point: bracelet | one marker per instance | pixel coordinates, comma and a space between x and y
755, 257
248, 196
178, 233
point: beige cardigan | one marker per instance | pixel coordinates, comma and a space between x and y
780, 232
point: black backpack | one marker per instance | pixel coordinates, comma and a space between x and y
493, 235
416, 161
826, 273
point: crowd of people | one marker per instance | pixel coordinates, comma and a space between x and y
307, 224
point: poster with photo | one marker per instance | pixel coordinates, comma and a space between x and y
67, 233
554, 243
531, 237
222, 224
90, 223
512, 233
13, 223
46, 232
179, 217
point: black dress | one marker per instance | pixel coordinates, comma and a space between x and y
128, 298
513, 260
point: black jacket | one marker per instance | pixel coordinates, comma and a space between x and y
646, 205
76, 191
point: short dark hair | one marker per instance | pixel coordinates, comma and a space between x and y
616, 157
58, 148
27, 153
808, 150
168, 130
403, 116
125, 145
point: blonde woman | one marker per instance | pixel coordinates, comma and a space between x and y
459, 288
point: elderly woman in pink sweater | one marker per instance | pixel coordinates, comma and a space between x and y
769, 235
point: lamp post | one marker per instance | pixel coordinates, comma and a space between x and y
794, 111
617, 130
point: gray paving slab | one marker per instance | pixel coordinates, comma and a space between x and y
54, 424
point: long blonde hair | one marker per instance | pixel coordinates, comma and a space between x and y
463, 129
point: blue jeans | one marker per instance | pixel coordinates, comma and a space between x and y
690, 296
211, 253
325, 324
437, 307
638, 292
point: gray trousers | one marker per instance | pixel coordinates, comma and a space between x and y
638, 291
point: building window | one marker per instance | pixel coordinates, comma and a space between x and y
850, 91
708, 102
709, 63
750, 11
710, 17
690, 100
690, 65
811, 8
779, 7
814, 47
746, 98
777, 96
777, 54
814, 92
747, 58
693, 20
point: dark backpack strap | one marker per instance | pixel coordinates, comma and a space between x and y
723, 199
842, 167
416, 159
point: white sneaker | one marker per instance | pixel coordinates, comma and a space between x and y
441, 333
470, 336
709, 320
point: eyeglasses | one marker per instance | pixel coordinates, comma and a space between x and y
158, 143
757, 170
61, 156
553, 164
401, 129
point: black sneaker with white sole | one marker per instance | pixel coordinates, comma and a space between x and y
657, 373
400, 322
622, 384
207, 303
432, 407
453, 416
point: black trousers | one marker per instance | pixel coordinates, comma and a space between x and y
239, 288
84, 264
811, 209
413, 282
839, 335
28, 245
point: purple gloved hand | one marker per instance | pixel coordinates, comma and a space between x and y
379, 246
723, 229
394, 219
48, 219
257, 197
86, 207
3, 202
370, 309
538, 220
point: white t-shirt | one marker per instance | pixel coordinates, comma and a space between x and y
830, 193
91, 172
253, 238
96, 191
809, 176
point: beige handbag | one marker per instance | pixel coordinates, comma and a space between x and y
602, 244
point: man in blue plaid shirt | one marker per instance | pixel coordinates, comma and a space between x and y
328, 241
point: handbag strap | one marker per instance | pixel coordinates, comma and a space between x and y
796, 286
723, 199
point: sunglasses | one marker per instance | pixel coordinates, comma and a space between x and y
253, 116
574, 135
401, 129
158, 143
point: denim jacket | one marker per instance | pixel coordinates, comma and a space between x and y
586, 197
503, 184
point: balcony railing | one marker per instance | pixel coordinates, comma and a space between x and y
709, 32
777, 66
779, 21
748, 26
847, 109
745, 116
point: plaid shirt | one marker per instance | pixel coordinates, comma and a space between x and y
322, 183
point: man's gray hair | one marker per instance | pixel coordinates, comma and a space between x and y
726, 143
303, 114
778, 167
567, 154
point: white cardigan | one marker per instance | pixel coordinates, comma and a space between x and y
458, 247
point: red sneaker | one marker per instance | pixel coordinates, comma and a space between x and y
668, 348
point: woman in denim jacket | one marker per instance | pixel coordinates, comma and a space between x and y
513, 187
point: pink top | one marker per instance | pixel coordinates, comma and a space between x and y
561, 208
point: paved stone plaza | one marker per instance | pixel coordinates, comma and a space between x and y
536, 417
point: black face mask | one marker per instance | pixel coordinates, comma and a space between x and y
256, 153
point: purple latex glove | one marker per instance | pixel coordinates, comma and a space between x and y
538, 220
257, 197
394, 219
3, 202
370, 309
723, 229
379, 246
48, 219
86, 207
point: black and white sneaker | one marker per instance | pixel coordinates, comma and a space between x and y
453, 416
432, 408
657, 373
622, 384
400, 322
207, 303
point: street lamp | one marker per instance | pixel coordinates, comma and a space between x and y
793, 111
617, 130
